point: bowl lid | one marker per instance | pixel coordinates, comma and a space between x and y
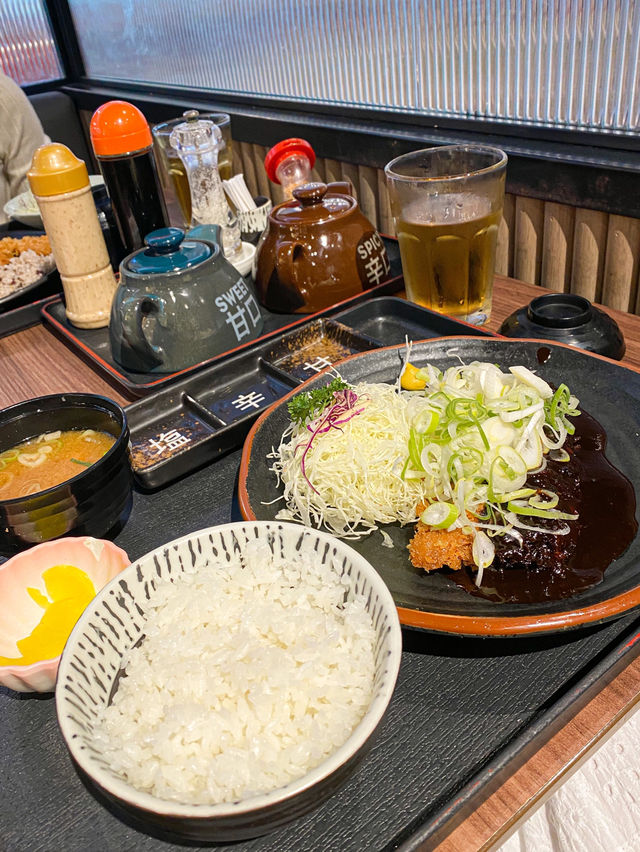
167, 251
567, 318
562, 310
311, 205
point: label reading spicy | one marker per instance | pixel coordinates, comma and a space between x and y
373, 263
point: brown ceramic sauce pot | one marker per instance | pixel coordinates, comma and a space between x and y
318, 249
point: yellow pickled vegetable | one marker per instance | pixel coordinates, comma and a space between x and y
410, 379
69, 591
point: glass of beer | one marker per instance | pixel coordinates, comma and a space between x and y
446, 204
173, 176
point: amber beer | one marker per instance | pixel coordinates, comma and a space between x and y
446, 204
448, 252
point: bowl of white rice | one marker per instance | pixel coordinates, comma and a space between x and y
230, 681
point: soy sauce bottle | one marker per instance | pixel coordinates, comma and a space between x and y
123, 145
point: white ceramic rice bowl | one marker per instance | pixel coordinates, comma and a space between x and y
112, 624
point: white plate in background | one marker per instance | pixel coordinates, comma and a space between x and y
23, 208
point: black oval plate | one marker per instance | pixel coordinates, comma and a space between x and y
607, 390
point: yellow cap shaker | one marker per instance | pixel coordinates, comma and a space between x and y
61, 186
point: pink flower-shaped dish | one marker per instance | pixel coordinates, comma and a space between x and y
20, 614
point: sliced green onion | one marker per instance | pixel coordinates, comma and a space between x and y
550, 500
520, 494
464, 463
416, 445
519, 508
508, 473
439, 516
426, 422
84, 463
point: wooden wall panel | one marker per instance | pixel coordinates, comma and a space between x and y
621, 263
557, 247
318, 171
385, 219
589, 246
264, 184
350, 172
529, 229
506, 241
333, 170
236, 159
248, 167
368, 180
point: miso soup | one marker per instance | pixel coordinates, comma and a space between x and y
49, 459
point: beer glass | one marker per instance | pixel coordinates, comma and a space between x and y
446, 204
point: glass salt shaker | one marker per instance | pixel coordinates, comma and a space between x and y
198, 142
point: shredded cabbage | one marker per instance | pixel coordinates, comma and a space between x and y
352, 475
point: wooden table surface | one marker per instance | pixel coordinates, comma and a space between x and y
35, 362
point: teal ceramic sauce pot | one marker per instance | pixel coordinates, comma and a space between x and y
179, 303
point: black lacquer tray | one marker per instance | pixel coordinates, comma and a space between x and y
465, 714
93, 344
195, 419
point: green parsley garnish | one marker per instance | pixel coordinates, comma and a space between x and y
305, 406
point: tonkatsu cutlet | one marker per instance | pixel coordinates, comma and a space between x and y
434, 549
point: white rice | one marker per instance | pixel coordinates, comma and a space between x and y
246, 680
22, 270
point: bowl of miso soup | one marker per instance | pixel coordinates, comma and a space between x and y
64, 469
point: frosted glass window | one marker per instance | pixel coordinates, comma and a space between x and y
27, 50
566, 63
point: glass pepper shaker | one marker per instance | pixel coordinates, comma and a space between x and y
198, 142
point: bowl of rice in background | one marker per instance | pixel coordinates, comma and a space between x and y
230, 681
26, 262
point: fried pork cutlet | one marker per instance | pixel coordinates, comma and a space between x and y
433, 549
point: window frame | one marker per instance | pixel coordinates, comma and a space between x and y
593, 169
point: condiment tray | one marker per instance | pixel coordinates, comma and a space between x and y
203, 415
94, 345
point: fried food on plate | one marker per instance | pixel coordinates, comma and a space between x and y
431, 549
11, 247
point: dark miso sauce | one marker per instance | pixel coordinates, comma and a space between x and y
550, 567
543, 354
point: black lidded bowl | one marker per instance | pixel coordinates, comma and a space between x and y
567, 318
90, 503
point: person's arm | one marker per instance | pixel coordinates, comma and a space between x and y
22, 134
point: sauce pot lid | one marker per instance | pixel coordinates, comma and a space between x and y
167, 251
312, 204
